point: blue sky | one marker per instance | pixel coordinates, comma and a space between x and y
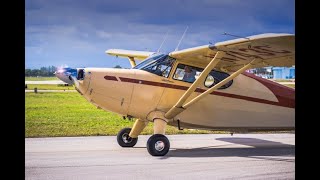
77, 33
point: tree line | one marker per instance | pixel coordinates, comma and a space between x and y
46, 71
43, 71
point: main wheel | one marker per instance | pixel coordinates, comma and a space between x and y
158, 145
124, 140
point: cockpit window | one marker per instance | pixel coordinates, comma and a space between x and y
159, 65
149, 60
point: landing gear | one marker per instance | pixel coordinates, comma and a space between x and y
158, 145
124, 140
127, 137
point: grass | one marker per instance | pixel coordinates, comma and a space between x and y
69, 114
290, 85
40, 78
281, 80
50, 87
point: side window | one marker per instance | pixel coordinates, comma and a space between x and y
209, 81
215, 77
190, 74
160, 67
187, 73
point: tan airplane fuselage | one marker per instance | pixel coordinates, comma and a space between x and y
250, 103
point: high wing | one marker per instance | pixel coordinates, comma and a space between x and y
236, 56
266, 49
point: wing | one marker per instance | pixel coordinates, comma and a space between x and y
140, 55
266, 49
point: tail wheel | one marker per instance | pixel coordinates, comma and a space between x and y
158, 145
124, 140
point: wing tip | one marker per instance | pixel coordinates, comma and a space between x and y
267, 35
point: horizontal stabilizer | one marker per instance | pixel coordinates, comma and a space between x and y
140, 55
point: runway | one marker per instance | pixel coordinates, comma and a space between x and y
214, 156
45, 82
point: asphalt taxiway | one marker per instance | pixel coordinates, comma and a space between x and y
213, 156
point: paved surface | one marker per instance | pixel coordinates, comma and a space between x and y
286, 82
45, 82
50, 90
241, 156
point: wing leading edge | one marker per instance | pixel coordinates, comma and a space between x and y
140, 55
130, 54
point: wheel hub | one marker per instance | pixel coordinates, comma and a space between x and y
159, 145
126, 138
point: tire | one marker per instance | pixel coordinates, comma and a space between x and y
158, 145
124, 140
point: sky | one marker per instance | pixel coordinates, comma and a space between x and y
76, 33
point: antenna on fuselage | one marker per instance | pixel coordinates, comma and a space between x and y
225, 33
181, 39
165, 38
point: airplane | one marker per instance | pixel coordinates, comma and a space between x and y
65, 73
204, 87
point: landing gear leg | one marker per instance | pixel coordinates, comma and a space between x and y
128, 137
158, 144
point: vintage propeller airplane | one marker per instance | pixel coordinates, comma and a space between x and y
205, 87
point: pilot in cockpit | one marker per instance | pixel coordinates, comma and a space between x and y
189, 74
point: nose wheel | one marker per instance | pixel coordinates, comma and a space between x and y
158, 145
124, 140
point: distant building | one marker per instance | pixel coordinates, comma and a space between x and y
283, 72
274, 72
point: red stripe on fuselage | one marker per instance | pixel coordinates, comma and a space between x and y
286, 99
111, 78
285, 95
152, 83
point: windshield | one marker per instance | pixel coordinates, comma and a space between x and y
149, 60
159, 65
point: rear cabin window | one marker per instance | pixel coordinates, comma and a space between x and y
214, 77
190, 74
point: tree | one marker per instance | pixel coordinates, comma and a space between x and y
117, 66
43, 71
27, 72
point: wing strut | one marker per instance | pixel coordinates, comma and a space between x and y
215, 87
132, 61
179, 107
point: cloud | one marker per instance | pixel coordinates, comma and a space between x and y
78, 32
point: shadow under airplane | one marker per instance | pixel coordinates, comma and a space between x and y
259, 149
